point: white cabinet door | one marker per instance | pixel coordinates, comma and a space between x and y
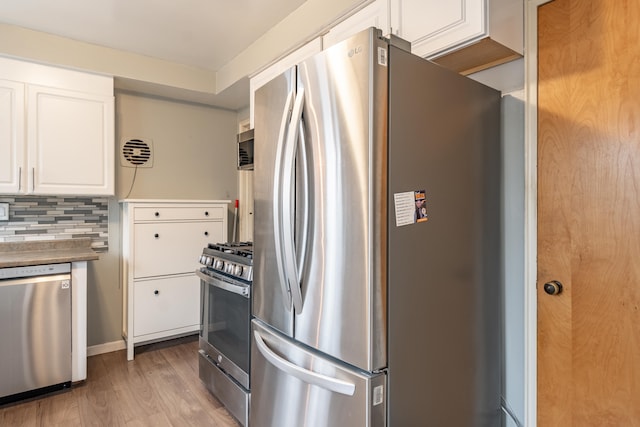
11, 135
278, 68
70, 139
172, 248
374, 15
435, 25
166, 305
463, 35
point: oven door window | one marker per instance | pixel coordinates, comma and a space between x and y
226, 324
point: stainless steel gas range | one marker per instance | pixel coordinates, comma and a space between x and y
224, 345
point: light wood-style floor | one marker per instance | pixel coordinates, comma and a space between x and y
160, 387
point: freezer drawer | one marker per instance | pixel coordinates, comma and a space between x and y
292, 386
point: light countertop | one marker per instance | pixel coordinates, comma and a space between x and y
25, 253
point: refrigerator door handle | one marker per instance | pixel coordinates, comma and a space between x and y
304, 231
288, 187
278, 203
305, 375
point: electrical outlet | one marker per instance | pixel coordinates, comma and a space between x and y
4, 211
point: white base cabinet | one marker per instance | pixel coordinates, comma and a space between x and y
79, 321
161, 243
56, 130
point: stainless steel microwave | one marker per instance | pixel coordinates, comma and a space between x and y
245, 150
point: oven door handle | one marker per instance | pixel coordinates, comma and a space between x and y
242, 290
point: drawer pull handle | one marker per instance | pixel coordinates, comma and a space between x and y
206, 213
156, 235
206, 233
156, 292
157, 213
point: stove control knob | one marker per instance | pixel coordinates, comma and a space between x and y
209, 261
237, 271
203, 260
219, 264
228, 268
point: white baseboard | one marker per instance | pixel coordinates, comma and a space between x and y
107, 347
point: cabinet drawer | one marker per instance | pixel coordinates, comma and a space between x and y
188, 213
172, 248
166, 304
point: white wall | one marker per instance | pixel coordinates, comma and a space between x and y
509, 78
194, 149
194, 158
513, 108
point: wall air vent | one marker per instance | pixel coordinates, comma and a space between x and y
136, 153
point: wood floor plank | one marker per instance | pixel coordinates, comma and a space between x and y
134, 394
22, 415
178, 401
58, 410
183, 364
156, 420
159, 388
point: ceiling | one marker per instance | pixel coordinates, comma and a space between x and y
201, 33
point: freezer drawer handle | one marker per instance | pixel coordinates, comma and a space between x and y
309, 377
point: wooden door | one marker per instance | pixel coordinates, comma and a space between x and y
589, 213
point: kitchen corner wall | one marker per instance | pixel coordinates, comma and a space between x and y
509, 78
193, 158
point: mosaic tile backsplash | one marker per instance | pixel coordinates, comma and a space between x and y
48, 218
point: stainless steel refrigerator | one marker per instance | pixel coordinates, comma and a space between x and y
376, 295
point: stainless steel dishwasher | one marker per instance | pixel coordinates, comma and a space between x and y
35, 330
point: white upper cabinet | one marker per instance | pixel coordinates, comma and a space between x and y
11, 135
70, 142
279, 67
59, 137
463, 35
375, 14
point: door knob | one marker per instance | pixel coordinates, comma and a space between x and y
553, 287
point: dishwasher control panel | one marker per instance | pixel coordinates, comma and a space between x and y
34, 270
